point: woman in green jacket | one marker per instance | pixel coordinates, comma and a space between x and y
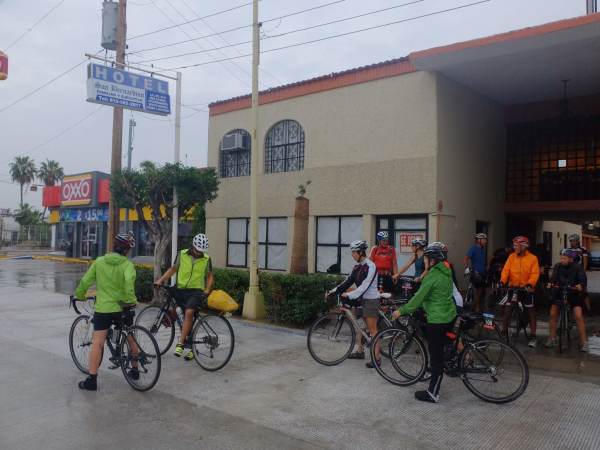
435, 297
114, 276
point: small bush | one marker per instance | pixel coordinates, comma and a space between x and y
289, 299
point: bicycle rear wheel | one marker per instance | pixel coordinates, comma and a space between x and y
159, 324
212, 342
80, 341
494, 371
331, 339
139, 350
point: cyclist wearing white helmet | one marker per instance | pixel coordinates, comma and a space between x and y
475, 268
384, 257
194, 282
417, 258
365, 295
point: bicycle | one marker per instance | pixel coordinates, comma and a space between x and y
480, 363
565, 319
519, 317
332, 336
130, 347
211, 340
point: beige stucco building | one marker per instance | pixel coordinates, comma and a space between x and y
416, 146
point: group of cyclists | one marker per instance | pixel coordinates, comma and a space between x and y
516, 268
114, 276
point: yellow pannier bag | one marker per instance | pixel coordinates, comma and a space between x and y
222, 301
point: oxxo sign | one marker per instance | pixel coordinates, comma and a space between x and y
76, 190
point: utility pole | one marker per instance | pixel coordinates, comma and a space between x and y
254, 307
117, 134
176, 159
129, 151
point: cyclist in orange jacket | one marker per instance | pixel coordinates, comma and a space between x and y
521, 270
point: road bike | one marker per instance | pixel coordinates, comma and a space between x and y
565, 318
130, 347
333, 335
519, 316
211, 340
491, 369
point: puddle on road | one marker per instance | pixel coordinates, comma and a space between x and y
41, 275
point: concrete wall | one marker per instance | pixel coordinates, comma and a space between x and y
470, 165
368, 149
558, 230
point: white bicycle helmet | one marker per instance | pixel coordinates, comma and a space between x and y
358, 246
200, 242
481, 236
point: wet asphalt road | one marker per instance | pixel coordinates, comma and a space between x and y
271, 394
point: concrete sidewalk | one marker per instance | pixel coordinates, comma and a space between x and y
271, 395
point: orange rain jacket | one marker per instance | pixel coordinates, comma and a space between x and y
521, 271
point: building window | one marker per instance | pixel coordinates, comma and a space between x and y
234, 154
403, 229
334, 235
284, 147
272, 243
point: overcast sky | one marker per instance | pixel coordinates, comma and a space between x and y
73, 28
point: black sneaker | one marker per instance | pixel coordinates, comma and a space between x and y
426, 396
134, 374
357, 355
89, 384
371, 365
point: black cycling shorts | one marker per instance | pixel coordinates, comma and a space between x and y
479, 280
526, 298
385, 283
103, 321
574, 299
190, 299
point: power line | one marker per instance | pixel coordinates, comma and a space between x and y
36, 23
230, 30
205, 22
298, 30
338, 35
189, 21
187, 34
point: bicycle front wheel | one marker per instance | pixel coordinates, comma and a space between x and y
140, 358
212, 342
80, 341
159, 324
494, 371
404, 360
331, 339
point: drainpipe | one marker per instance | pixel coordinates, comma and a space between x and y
592, 6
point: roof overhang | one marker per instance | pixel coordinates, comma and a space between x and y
526, 65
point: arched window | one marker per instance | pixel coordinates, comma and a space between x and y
284, 147
234, 154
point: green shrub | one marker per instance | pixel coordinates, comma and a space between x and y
289, 299
144, 284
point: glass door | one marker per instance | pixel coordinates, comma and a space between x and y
89, 240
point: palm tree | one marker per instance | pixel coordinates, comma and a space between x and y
50, 173
22, 171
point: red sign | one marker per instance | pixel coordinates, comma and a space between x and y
3, 66
405, 239
76, 190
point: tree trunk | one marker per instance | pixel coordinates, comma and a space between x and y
160, 248
300, 239
21, 196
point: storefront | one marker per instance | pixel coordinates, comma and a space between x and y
79, 211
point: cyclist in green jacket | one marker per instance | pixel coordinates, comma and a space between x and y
435, 297
114, 276
194, 282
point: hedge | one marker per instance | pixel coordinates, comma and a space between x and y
289, 299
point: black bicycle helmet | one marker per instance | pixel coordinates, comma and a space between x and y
124, 241
436, 250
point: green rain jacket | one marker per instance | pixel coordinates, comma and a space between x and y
434, 296
114, 276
